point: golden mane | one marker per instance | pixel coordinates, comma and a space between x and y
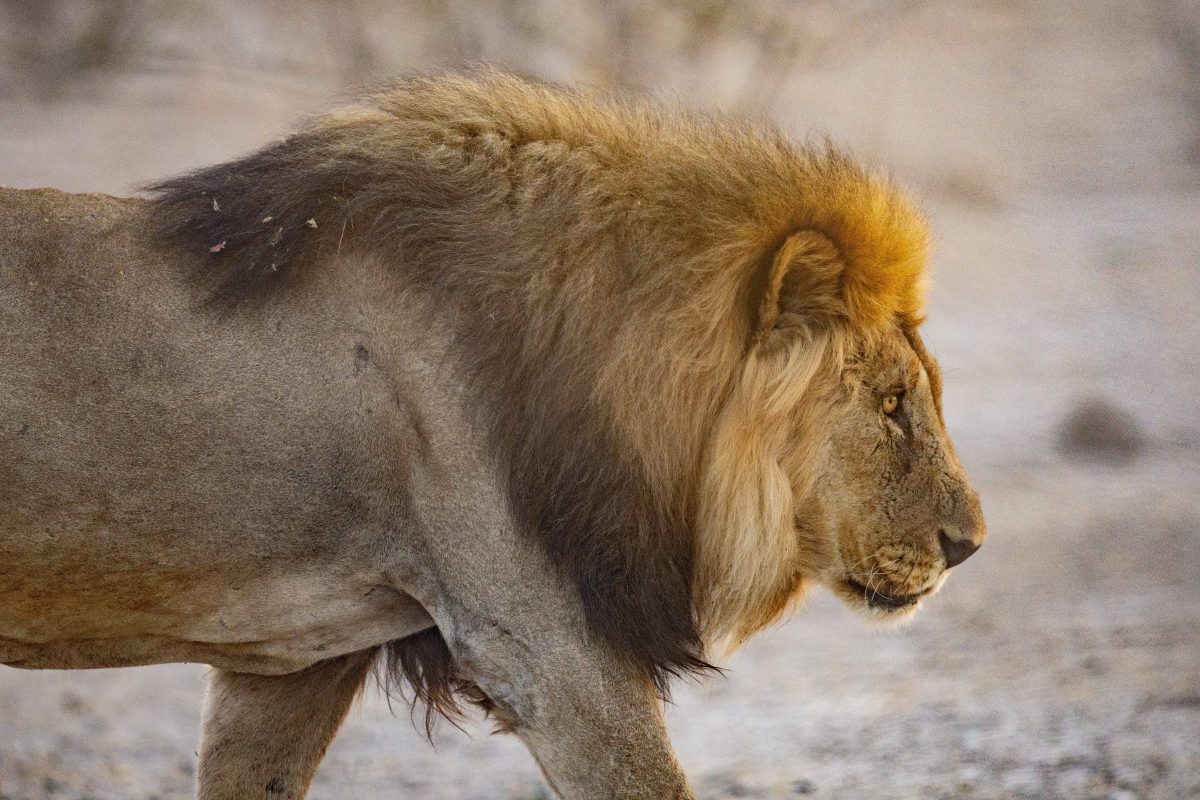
619, 253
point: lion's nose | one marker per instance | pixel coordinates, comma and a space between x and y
956, 550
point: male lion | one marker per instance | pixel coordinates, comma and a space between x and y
542, 394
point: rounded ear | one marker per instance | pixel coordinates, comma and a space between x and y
801, 289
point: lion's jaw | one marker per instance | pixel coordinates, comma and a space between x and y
896, 503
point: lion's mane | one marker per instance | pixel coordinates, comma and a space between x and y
606, 260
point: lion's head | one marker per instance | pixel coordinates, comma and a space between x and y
830, 463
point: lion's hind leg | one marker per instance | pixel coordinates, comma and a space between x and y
264, 735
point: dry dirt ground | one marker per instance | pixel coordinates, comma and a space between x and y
1058, 147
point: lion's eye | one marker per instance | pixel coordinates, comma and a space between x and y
891, 403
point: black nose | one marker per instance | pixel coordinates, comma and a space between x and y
956, 551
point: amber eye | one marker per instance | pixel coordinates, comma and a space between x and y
891, 403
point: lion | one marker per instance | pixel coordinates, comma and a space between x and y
533, 397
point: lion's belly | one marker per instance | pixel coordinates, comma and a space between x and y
266, 624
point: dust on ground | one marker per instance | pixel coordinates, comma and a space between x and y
1058, 148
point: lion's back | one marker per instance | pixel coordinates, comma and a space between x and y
46, 235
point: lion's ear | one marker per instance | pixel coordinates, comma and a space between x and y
875, 278
801, 288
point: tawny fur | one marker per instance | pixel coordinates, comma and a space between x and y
614, 249
545, 395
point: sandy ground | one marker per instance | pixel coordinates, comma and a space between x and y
1058, 147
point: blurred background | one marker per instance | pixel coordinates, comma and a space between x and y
1056, 146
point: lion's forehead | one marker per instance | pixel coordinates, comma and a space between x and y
888, 363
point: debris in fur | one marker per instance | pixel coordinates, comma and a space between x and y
216, 205
218, 247
312, 223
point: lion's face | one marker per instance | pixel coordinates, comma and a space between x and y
894, 505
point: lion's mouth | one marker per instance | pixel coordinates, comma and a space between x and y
877, 599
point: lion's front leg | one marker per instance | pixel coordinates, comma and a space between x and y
593, 723
264, 735
603, 741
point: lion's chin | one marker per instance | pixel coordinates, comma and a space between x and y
879, 604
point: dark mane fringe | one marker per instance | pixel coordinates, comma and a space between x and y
407, 179
262, 218
423, 664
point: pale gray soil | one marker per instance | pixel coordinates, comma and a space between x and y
1058, 148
